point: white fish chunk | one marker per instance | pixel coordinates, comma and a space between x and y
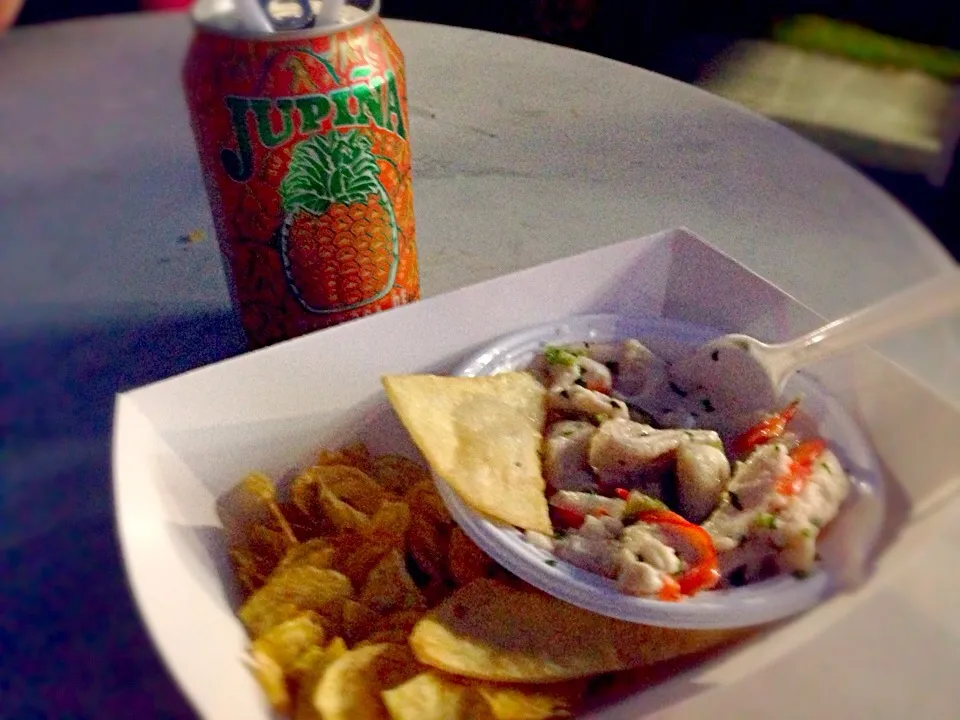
565, 455
702, 475
624, 446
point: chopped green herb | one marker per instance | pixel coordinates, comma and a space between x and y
807, 532
565, 394
735, 500
600, 419
555, 355
707, 405
551, 562
715, 356
616, 404
766, 520
801, 574
566, 433
637, 503
817, 522
825, 466
580, 381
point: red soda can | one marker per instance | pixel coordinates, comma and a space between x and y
303, 142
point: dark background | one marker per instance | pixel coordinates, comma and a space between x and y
674, 37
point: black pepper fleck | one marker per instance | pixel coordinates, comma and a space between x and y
677, 389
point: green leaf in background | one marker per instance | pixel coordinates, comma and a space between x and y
812, 32
331, 169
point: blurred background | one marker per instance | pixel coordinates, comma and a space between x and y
875, 82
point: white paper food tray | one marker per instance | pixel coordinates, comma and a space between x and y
891, 650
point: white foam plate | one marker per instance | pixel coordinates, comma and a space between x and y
753, 604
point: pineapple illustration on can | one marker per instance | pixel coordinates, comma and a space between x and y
339, 239
303, 143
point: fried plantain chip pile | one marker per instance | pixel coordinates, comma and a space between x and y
362, 599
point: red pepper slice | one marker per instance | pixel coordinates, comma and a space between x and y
802, 459
764, 431
568, 518
702, 574
598, 387
622, 493
670, 592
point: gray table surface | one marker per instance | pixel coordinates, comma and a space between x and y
523, 153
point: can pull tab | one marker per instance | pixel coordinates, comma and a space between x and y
288, 15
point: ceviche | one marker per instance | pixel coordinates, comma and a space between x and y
671, 508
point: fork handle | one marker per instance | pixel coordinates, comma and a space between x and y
910, 308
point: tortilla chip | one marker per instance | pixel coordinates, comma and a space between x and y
430, 696
490, 631
351, 686
482, 436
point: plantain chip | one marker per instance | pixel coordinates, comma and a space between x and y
533, 702
354, 455
358, 621
394, 637
389, 586
316, 552
357, 559
427, 546
252, 502
389, 524
297, 588
466, 562
425, 502
397, 473
311, 668
286, 641
342, 516
351, 686
404, 620
430, 696
274, 654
